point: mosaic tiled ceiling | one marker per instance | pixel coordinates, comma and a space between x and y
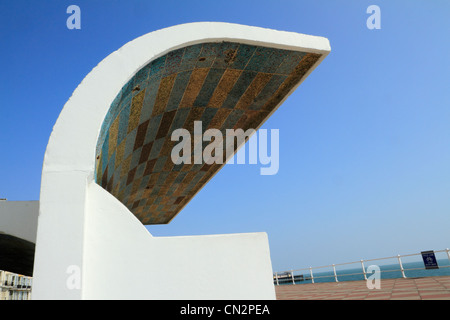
225, 85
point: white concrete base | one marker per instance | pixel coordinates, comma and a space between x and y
118, 266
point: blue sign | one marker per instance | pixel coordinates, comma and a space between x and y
429, 260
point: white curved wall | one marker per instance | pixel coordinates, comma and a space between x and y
74, 224
73, 141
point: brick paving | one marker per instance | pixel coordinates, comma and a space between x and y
427, 288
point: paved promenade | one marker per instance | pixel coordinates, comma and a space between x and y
427, 288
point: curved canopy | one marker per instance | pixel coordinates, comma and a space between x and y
223, 84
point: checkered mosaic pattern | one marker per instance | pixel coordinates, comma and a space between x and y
225, 85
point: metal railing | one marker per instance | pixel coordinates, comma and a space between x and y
15, 286
289, 277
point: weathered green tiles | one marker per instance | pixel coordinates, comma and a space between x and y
223, 84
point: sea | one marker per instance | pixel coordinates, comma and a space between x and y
413, 269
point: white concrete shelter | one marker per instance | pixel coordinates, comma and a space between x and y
91, 240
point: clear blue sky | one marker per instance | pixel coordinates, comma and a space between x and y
364, 141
